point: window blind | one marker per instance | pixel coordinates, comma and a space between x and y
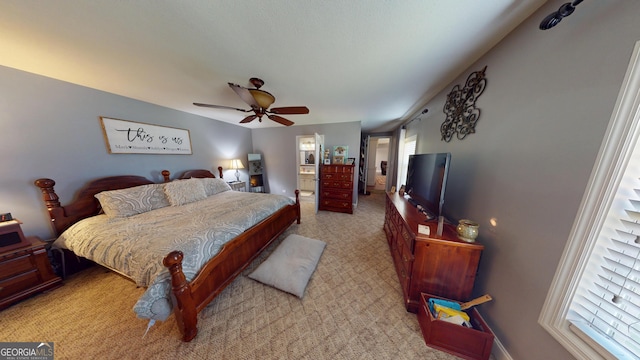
608, 296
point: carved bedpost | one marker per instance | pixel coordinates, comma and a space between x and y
52, 202
166, 175
48, 194
183, 304
220, 171
298, 206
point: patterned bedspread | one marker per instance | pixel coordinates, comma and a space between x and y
135, 246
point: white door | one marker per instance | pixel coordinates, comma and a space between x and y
319, 159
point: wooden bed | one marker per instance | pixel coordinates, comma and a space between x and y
188, 297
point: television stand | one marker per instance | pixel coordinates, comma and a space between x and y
441, 265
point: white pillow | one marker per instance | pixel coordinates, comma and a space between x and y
132, 201
291, 264
182, 192
214, 186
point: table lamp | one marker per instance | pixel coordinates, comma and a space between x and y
237, 164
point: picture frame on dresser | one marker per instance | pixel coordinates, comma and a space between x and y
351, 161
341, 150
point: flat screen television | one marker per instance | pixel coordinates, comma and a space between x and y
427, 180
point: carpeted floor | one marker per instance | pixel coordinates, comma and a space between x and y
352, 308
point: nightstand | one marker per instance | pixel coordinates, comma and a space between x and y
25, 271
238, 185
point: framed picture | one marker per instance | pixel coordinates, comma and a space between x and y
341, 150
129, 137
338, 159
351, 161
327, 161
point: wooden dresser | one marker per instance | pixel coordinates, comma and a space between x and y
25, 271
336, 188
442, 266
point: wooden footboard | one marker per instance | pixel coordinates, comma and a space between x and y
191, 297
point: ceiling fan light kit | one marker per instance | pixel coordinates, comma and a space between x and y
263, 98
260, 101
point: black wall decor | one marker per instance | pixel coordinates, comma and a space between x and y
460, 107
554, 18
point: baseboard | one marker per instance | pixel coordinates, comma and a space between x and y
499, 352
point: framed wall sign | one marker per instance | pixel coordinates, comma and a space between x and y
129, 137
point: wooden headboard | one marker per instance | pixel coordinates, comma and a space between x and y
197, 173
86, 205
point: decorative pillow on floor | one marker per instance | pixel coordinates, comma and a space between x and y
291, 264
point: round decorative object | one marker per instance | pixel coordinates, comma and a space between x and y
467, 230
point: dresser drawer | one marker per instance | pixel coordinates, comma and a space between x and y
338, 176
15, 266
336, 204
405, 257
18, 283
336, 194
338, 169
387, 230
403, 276
335, 184
407, 236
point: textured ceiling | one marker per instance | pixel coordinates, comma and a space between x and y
374, 61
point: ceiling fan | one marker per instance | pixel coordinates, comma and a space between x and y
260, 100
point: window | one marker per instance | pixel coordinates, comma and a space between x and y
601, 261
408, 148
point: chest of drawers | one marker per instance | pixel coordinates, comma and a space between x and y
336, 188
440, 265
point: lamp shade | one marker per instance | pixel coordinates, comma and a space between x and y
236, 164
263, 98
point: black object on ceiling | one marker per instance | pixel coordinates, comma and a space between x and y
554, 18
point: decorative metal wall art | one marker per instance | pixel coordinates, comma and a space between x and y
460, 107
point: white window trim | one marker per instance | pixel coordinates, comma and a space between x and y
617, 146
402, 168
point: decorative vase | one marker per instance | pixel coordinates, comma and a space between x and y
467, 230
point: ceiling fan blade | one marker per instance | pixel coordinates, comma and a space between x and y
248, 119
220, 107
290, 110
245, 95
281, 120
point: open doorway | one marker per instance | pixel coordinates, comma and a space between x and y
310, 156
377, 161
